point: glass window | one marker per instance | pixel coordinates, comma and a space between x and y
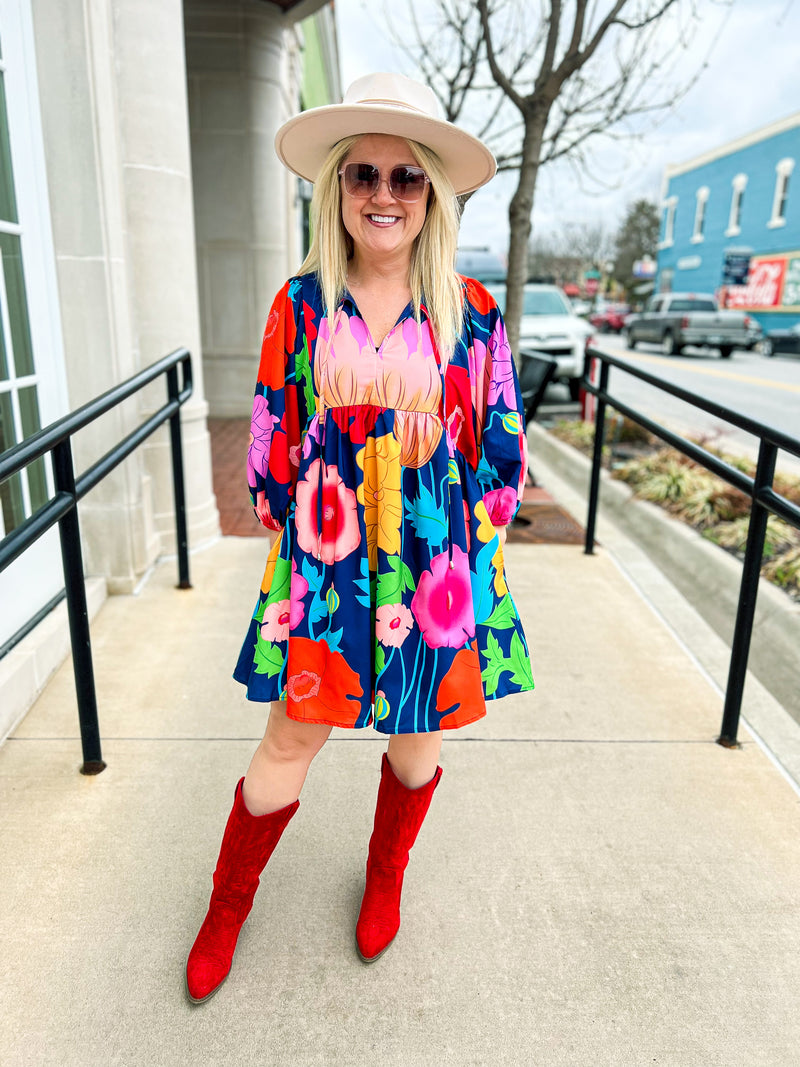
782, 174
535, 301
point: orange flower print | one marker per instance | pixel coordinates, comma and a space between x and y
321, 686
460, 698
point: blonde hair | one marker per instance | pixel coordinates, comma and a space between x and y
433, 257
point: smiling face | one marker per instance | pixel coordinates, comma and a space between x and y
383, 228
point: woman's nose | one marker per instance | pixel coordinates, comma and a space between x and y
383, 194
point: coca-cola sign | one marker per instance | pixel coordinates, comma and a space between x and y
764, 287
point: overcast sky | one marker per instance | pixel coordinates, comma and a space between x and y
751, 78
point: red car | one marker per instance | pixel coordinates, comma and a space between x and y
611, 318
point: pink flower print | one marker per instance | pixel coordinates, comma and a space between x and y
454, 423
467, 520
261, 426
276, 621
358, 331
303, 685
299, 588
393, 624
340, 533
294, 456
417, 338
501, 505
501, 386
442, 604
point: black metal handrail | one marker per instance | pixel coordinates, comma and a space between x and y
759, 488
61, 508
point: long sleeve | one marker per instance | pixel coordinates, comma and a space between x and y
280, 406
501, 438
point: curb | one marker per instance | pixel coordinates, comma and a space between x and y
707, 576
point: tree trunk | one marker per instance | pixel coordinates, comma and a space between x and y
519, 218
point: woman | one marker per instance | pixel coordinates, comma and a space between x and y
387, 450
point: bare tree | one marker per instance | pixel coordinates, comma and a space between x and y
543, 83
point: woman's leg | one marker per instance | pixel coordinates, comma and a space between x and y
280, 763
415, 757
409, 777
263, 804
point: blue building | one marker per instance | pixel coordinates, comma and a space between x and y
737, 205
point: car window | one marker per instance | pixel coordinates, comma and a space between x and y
535, 301
692, 305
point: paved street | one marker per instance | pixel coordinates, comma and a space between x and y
764, 389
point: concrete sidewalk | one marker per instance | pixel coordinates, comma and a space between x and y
597, 882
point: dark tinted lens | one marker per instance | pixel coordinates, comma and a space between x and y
407, 183
361, 179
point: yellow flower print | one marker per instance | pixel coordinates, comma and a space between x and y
379, 494
485, 531
500, 586
272, 559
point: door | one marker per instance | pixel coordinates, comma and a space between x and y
32, 379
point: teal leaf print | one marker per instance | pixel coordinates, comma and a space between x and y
427, 518
482, 582
364, 585
311, 575
333, 639
268, 658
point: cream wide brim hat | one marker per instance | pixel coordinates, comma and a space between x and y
390, 104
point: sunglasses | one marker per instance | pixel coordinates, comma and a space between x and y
362, 180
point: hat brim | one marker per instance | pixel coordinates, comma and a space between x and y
303, 143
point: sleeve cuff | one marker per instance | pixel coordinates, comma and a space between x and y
501, 505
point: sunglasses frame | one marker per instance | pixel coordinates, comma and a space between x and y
381, 179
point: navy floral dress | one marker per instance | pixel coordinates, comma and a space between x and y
384, 600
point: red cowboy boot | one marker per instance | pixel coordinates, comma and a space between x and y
247, 844
399, 814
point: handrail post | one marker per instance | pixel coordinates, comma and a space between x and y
597, 459
181, 533
751, 569
77, 611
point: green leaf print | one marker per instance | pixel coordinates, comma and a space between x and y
380, 658
504, 615
517, 663
495, 666
521, 663
281, 581
268, 658
392, 584
303, 373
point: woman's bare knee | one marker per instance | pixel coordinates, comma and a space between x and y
289, 741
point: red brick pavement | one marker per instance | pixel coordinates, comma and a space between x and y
540, 519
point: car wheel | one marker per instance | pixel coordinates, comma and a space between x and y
668, 345
574, 385
767, 348
630, 340
726, 351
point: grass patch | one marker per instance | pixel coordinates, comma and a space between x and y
694, 495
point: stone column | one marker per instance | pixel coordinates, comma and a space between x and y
243, 83
157, 197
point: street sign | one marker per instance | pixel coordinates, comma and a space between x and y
735, 268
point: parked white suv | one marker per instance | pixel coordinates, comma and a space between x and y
550, 325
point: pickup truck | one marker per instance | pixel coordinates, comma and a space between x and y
675, 320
